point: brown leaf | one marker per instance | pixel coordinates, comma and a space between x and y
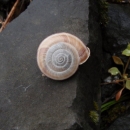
117, 60
128, 84
118, 95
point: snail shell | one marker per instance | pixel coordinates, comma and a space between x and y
59, 55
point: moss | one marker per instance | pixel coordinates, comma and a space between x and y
110, 115
103, 10
94, 116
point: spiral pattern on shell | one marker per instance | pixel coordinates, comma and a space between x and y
59, 55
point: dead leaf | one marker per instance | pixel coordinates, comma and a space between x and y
117, 60
118, 95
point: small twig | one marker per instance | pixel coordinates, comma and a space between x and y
114, 82
126, 66
9, 15
21, 5
111, 83
109, 98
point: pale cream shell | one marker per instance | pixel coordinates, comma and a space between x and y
81, 52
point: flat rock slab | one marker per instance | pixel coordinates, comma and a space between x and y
29, 101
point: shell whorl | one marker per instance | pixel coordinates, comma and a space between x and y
59, 55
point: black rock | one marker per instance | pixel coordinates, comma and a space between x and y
118, 28
4, 1
122, 123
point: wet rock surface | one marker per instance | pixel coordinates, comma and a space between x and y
29, 101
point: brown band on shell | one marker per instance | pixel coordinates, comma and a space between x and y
40, 57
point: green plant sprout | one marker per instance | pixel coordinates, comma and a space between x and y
124, 80
107, 105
